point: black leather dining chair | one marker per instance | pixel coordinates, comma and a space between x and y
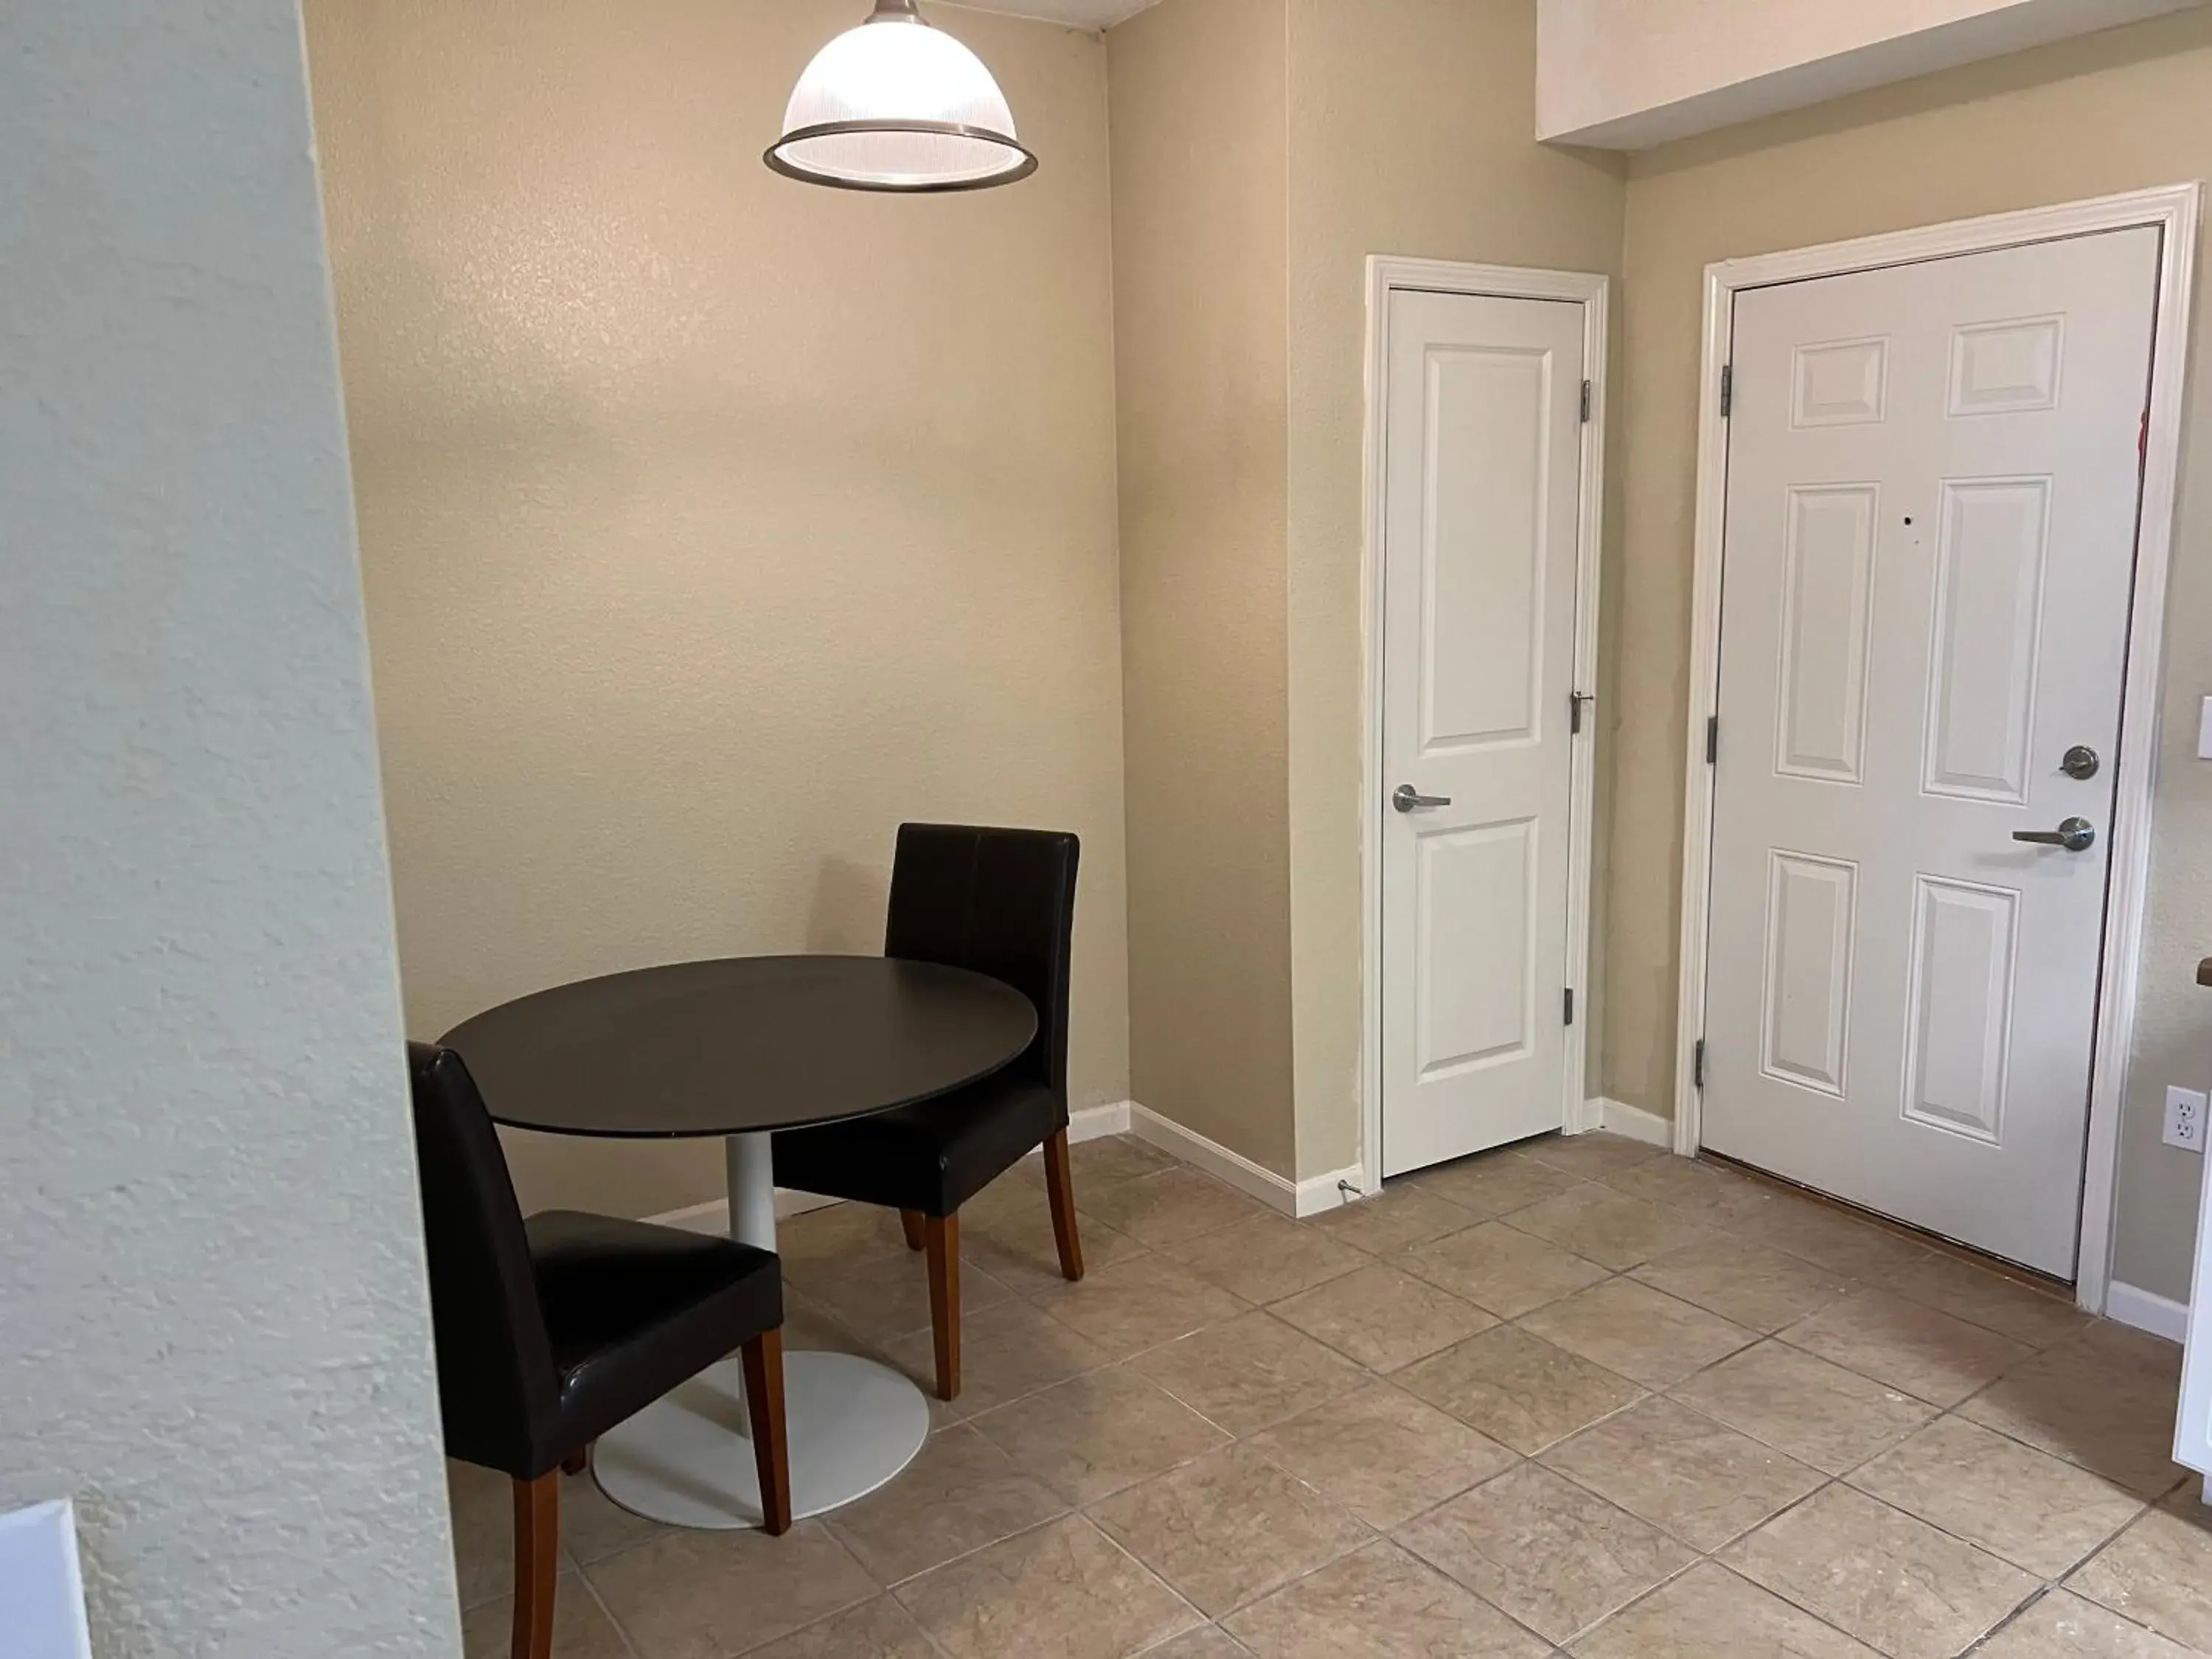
551, 1331
1001, 902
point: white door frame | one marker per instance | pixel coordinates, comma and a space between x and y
2174, 210
1385, 273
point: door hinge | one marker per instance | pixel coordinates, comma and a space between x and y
1575, 701
1728, 389
1712, 740
1586, 401
1571, 1005
1698, 1064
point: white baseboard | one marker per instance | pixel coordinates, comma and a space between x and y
1326, 1192
713, 1216
2159, 1315
1633, 1122
1293, 1197
1088, 1123
1095, 1122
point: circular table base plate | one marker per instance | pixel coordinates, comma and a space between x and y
687, 1459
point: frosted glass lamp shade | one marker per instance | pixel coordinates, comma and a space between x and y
896, 105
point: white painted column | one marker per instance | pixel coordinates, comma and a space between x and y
686, 1459
750, 1168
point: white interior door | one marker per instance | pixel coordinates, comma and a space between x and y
1482, 402
1932, 486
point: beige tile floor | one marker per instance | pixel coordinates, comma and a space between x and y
1571, 1398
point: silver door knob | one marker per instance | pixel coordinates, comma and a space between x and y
2075, 835
1406, 797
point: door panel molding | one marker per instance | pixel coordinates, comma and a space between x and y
1387, 274
1958, 1020
1488, 869
1812, 923
1493, 693
1824, 577
1989, 617
2174, 211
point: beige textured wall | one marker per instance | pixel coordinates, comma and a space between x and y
1198, 91
2114, 111
712, 524
1410, 125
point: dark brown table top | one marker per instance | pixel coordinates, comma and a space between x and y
739, 1045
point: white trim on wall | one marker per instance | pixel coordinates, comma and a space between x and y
1279, 1192
2174, 210
1085, 1123
1630, 74
1097, 1123
713, 1216
1592, 291
2161, 1316
1633, 1122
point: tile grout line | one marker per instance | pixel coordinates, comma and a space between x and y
2042, 1585
1373, 1534
1395, 1258
621, 1630
1157, 1577
1941, 1412
1697, 1557
890, 1592
1856, 1286
2033, 1350
893, 1586
1714, 1560
2044, 1592
1727, 1229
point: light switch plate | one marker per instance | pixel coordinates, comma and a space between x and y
2204, 730
41, 1584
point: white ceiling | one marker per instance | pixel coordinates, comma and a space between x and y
1076, 14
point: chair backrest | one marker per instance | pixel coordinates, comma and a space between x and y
1001, 902
496, 1378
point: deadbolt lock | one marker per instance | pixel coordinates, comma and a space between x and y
2079, 761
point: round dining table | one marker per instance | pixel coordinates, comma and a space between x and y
738, 1049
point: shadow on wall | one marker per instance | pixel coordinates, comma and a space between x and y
2063, 60
846, 917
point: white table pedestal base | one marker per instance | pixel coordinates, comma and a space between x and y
687, 1459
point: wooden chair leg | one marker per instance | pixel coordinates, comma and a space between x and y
577, 1460
1060, 1188
911, 1221
537, 1564
943, 1239
771, 1450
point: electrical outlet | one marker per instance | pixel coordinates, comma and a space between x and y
2185, 1119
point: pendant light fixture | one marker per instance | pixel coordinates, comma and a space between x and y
897, 105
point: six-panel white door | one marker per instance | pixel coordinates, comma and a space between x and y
1482, 444
1932, 487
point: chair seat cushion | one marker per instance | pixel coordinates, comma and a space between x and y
634, 1310
933, 1158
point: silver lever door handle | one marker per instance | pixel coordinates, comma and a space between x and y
1405, 798
2075, 835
